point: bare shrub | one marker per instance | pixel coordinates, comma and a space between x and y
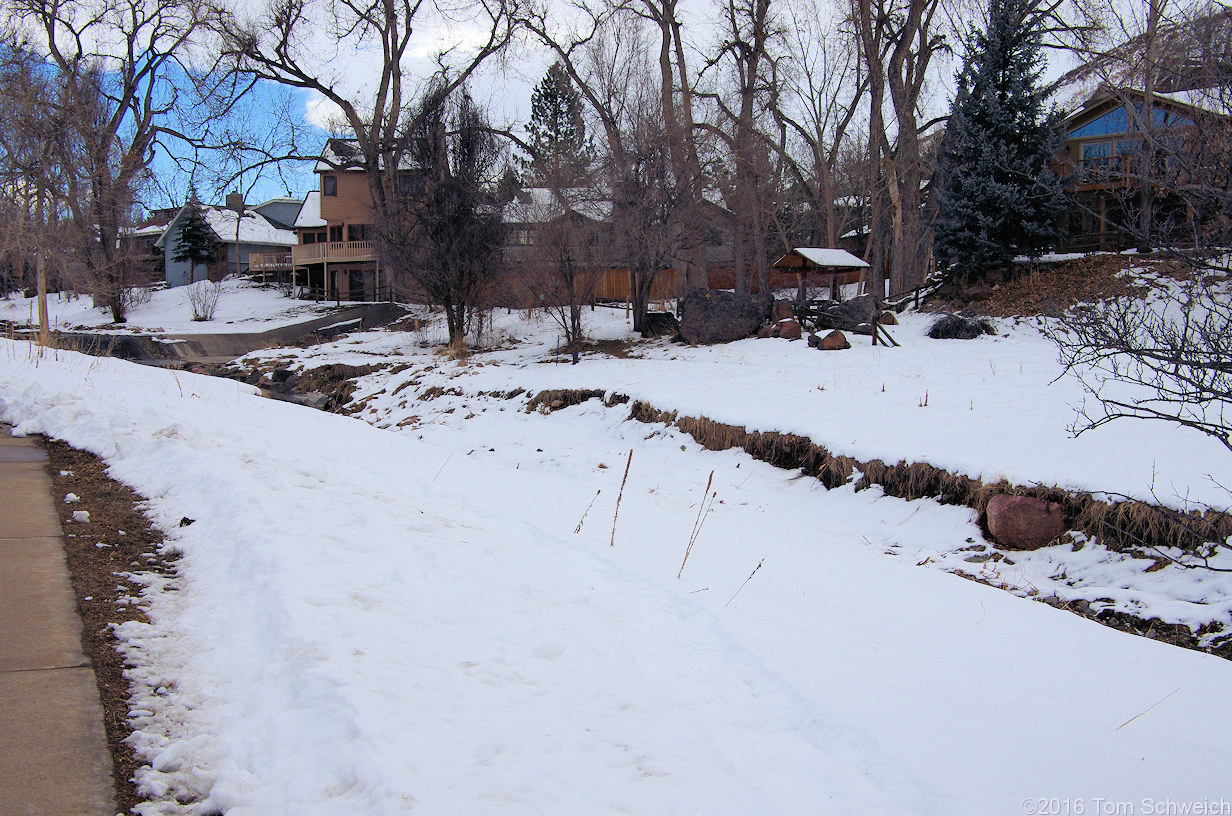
203, 297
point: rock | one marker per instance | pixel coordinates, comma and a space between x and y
781, 310
718, 316
888, 318
1024, 522
789, 330
850, 315
765, 331
814, 341
834, 341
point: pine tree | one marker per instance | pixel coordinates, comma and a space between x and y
998, 197
198, 243
561, 151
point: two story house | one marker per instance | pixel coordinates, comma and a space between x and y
1112, 147
335, 254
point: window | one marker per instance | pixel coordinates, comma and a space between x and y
310, 238
357, 232
335, 234
410, 184
329, 185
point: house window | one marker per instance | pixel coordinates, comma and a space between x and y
310, 238
329, 185
358, 232
410, 184
335, 234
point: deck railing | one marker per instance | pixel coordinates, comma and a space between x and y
269, 261
305, 254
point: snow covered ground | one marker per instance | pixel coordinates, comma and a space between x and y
988, 408
243, 306
419, 613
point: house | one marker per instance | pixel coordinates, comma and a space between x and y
334, 255
1112, 148
242, 237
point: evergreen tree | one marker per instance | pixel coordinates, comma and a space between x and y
561, 151
198, 244
998, 198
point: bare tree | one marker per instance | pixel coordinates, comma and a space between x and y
748, 57
31, 168
898, 41
649, 164
560, 246
824, 86
448, 233
122, 74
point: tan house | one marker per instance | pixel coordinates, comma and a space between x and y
1111, 148
335, 257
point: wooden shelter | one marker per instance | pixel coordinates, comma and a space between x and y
835, 262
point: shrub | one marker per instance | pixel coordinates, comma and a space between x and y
203, 297
957, 327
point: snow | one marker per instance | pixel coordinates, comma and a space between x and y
254, 228
310, 213
828, 257
393, 613
243, 307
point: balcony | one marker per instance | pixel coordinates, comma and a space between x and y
269, 261
332, 252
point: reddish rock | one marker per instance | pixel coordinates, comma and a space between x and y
765, 331
834, 341
1024, 522
888, 318
782, 310
789, 330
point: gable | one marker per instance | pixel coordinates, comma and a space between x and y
1117, 121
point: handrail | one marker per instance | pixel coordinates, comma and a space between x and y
333, 251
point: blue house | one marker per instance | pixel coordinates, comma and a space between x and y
265, 228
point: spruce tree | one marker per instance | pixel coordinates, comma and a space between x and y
198, 244
561, 151
998, 197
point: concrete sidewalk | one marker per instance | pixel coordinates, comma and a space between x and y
54, 757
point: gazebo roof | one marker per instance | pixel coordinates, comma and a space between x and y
811, 257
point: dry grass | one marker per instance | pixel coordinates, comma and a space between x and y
1120, 525
1052, 289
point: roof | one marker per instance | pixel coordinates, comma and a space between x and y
254, 228
344, 154
823, 257
276, 200
539, 205
1210, 100
310, 213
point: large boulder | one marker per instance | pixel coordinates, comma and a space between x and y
1024, 522
718, 316
782, 310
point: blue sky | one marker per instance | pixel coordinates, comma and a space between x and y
263, 120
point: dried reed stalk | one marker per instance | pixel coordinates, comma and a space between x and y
697, 525
620, 496
582, 521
